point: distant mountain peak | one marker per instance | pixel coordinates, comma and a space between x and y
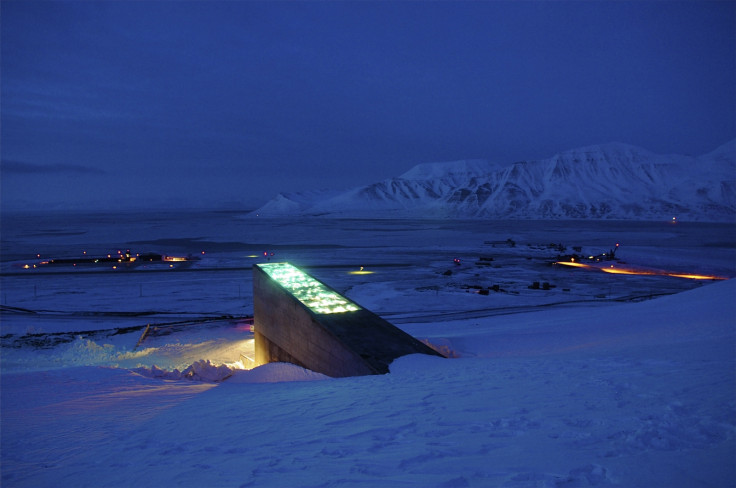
607, 181
464, 167
608, 151
725, 151
610, 147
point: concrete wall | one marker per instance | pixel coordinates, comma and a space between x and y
339, 344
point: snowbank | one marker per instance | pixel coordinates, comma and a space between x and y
275, 373
202, 370
206, 371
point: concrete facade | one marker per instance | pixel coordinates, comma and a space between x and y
350, 343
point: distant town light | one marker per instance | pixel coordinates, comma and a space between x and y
312, 293
174, 258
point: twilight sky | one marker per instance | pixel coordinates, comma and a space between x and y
107, 104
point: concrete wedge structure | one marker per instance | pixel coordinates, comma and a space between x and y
299, 319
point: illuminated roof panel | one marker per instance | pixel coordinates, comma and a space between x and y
315, 295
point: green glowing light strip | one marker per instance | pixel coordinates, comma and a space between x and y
316, 296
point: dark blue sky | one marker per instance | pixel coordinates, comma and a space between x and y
200, 103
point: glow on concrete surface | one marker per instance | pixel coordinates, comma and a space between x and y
315, 295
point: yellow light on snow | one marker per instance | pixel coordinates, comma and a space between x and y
361, 271
312, 293
641, 271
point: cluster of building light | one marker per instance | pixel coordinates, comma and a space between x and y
315, 295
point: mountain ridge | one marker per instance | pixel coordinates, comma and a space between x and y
607, 181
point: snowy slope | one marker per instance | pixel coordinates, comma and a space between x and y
293, 203
631, 395
611, 181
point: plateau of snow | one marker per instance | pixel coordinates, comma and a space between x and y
610, 181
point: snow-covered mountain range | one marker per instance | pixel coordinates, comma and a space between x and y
610, 181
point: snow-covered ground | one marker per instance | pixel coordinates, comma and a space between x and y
589, 383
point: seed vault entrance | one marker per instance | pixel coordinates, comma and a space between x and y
300, 320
